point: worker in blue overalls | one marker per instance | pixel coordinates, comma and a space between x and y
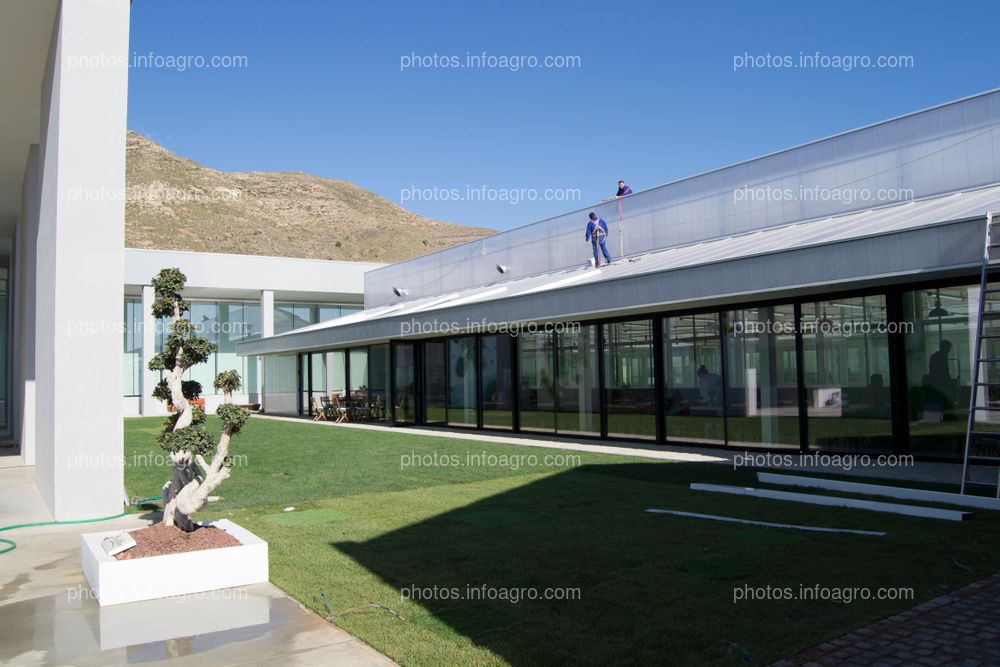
597, 234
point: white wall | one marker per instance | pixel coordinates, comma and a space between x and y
251, 274
25, 308
79, 440
280, 392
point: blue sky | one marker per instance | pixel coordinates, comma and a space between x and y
658, 91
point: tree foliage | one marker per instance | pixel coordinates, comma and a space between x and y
233, 417
183, 433
190, 388
228, 382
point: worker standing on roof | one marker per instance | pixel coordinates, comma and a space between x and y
623, 191
597, 234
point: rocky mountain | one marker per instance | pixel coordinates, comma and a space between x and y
173, 203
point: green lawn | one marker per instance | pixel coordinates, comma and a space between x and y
650, 589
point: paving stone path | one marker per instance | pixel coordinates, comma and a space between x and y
961, 628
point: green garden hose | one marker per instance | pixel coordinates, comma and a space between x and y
13, 544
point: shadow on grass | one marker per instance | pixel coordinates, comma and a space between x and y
571, 570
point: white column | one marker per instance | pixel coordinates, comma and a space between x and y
79, 466
149, 405
266, 313
266, 329
24, 340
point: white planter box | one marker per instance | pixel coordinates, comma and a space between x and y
115, 581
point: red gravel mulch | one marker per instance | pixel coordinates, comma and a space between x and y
160, 539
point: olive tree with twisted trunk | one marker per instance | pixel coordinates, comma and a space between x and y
184, 435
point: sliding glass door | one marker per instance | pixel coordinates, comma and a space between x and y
762, 406
629, 380
578, 398
693, 386
497, 368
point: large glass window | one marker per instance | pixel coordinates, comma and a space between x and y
578, 404
498, 381
462, 382
404, 383
319, 374
205, 318
133, 347
629, 380
336, 368
536, 383
250, 371
378, 381
761, 382
290, 316
435, 383
846, 369
225, 323
940, 357
693, 395
327, 313
229, 333
358, 370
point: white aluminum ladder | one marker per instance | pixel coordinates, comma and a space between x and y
980, 387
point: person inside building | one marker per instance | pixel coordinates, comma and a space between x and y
939, 387
709, 386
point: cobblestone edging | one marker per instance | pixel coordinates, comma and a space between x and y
961, 628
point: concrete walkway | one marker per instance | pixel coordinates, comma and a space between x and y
788, 460
961, 628
48, 615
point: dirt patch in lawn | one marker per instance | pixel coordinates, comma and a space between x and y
159, 540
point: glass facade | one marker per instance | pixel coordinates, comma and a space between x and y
462, 372
846, 374
336, 364
693, 388
291, 316
378, 380
133, 347
404, 383
940, 357
629, 380
357, 371
497, 366
761, 384
225, 323
815, 374
536, 382
578, 404
357, 379
435, 383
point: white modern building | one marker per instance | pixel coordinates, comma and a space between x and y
822, 298
723, 324
234, 298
